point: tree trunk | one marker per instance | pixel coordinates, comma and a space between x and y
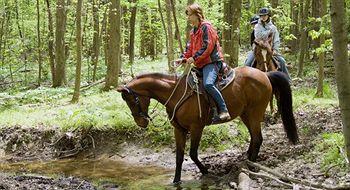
78, 52
78, 48
303, 39
105, 35
226, 31
113, 45
321, 57
316, 5
96, 40
188, 25
50, 42
170, 51
132, 32
143, 33
21, 36
177, 31
39, 41
60, 55
294, 28
342, 66
235, 33
4, 25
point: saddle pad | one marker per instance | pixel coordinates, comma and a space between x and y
227, 78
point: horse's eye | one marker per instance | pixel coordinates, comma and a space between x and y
123, 96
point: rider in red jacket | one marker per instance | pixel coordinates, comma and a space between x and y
204, 51
204, 45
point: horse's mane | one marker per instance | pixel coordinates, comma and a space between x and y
173, 77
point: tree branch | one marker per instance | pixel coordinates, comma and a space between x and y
297, 181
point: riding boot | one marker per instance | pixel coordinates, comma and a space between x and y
221, 118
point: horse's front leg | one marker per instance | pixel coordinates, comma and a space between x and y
180, 137
196, 134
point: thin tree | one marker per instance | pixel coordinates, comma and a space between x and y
294, 4
177, 32
170, 51
132, 32
235, 32
21, 36
188, 25
303, 39
226, 32
78, 59
51, 42
60, 55
321, 56
39, 41
113, 45
96, 40
342, 66
231, 32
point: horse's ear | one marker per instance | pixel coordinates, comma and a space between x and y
255, 42
122, 89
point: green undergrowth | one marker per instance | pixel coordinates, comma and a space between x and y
330, 153
51, 107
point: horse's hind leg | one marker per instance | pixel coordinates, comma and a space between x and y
180, 137
195, 139
254, 127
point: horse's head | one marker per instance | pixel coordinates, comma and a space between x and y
263, 54
138, 105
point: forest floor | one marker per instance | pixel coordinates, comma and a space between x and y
316, 158
31, 144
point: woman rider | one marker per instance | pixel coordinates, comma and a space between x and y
261, 31
203, 49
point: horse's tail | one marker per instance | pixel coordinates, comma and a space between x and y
280, 84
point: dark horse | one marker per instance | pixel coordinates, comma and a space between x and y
247, 96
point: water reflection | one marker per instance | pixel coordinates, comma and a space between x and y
111, 174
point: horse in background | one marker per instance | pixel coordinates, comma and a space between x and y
265, 62
246, 97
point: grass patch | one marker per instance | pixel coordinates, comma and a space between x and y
330, 146
306, 96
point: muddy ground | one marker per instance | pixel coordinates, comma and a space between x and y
29, 144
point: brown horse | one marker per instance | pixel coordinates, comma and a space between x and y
263, 54
264, 60
247, 96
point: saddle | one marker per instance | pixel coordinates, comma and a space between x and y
226, 76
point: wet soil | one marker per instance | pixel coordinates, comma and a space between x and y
18, 144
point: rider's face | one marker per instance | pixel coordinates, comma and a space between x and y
193, 18
264, 18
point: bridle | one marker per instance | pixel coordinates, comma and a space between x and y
139, 112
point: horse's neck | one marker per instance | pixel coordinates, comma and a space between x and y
156, 88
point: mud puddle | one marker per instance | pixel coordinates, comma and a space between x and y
94, 174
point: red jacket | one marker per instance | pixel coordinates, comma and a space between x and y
203, 46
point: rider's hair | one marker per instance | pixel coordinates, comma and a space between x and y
195, 9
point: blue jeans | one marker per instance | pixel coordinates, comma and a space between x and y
250, 59
210, 74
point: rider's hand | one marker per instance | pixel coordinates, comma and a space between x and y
179, 61
190, 60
